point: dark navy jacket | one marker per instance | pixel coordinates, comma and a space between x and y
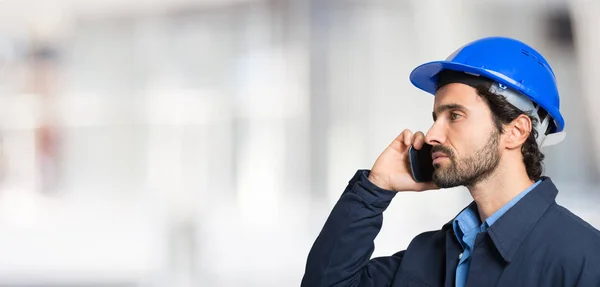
535, 243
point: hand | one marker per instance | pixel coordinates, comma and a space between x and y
391, 170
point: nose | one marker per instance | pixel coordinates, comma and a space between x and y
436, 134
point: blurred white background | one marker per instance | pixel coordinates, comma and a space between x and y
204, 142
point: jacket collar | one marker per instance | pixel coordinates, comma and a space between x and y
511, 229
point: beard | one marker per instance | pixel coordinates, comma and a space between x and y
468, 170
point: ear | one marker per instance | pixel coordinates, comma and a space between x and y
517, 132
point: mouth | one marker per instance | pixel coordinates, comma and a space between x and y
438, 156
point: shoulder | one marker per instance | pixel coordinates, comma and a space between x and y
572, 226
569, 235
567, 244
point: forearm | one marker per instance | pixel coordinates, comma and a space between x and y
342, 251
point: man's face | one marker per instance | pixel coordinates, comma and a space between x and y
464, 138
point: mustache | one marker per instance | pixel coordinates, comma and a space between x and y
445, 150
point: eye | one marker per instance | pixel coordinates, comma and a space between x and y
455, 116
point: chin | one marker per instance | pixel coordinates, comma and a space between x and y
439, 165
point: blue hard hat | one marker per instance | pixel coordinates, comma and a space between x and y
504, 60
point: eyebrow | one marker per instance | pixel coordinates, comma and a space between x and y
446, 107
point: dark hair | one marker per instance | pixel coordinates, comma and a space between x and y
503, 113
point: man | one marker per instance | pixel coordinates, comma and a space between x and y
496, 103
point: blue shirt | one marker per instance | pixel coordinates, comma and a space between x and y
466, 227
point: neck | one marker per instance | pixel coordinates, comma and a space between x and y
499, 188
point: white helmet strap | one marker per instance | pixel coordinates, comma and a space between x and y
523, 103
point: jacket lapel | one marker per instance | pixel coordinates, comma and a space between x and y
486, 263
453, 250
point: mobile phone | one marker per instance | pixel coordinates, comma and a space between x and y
421, 164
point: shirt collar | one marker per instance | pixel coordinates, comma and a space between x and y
508, 231
465, 222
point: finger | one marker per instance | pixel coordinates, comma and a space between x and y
400, 139
408, 137
419, 140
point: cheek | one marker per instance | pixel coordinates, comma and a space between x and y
467, 138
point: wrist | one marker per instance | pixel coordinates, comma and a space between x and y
367, 190
379, 181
